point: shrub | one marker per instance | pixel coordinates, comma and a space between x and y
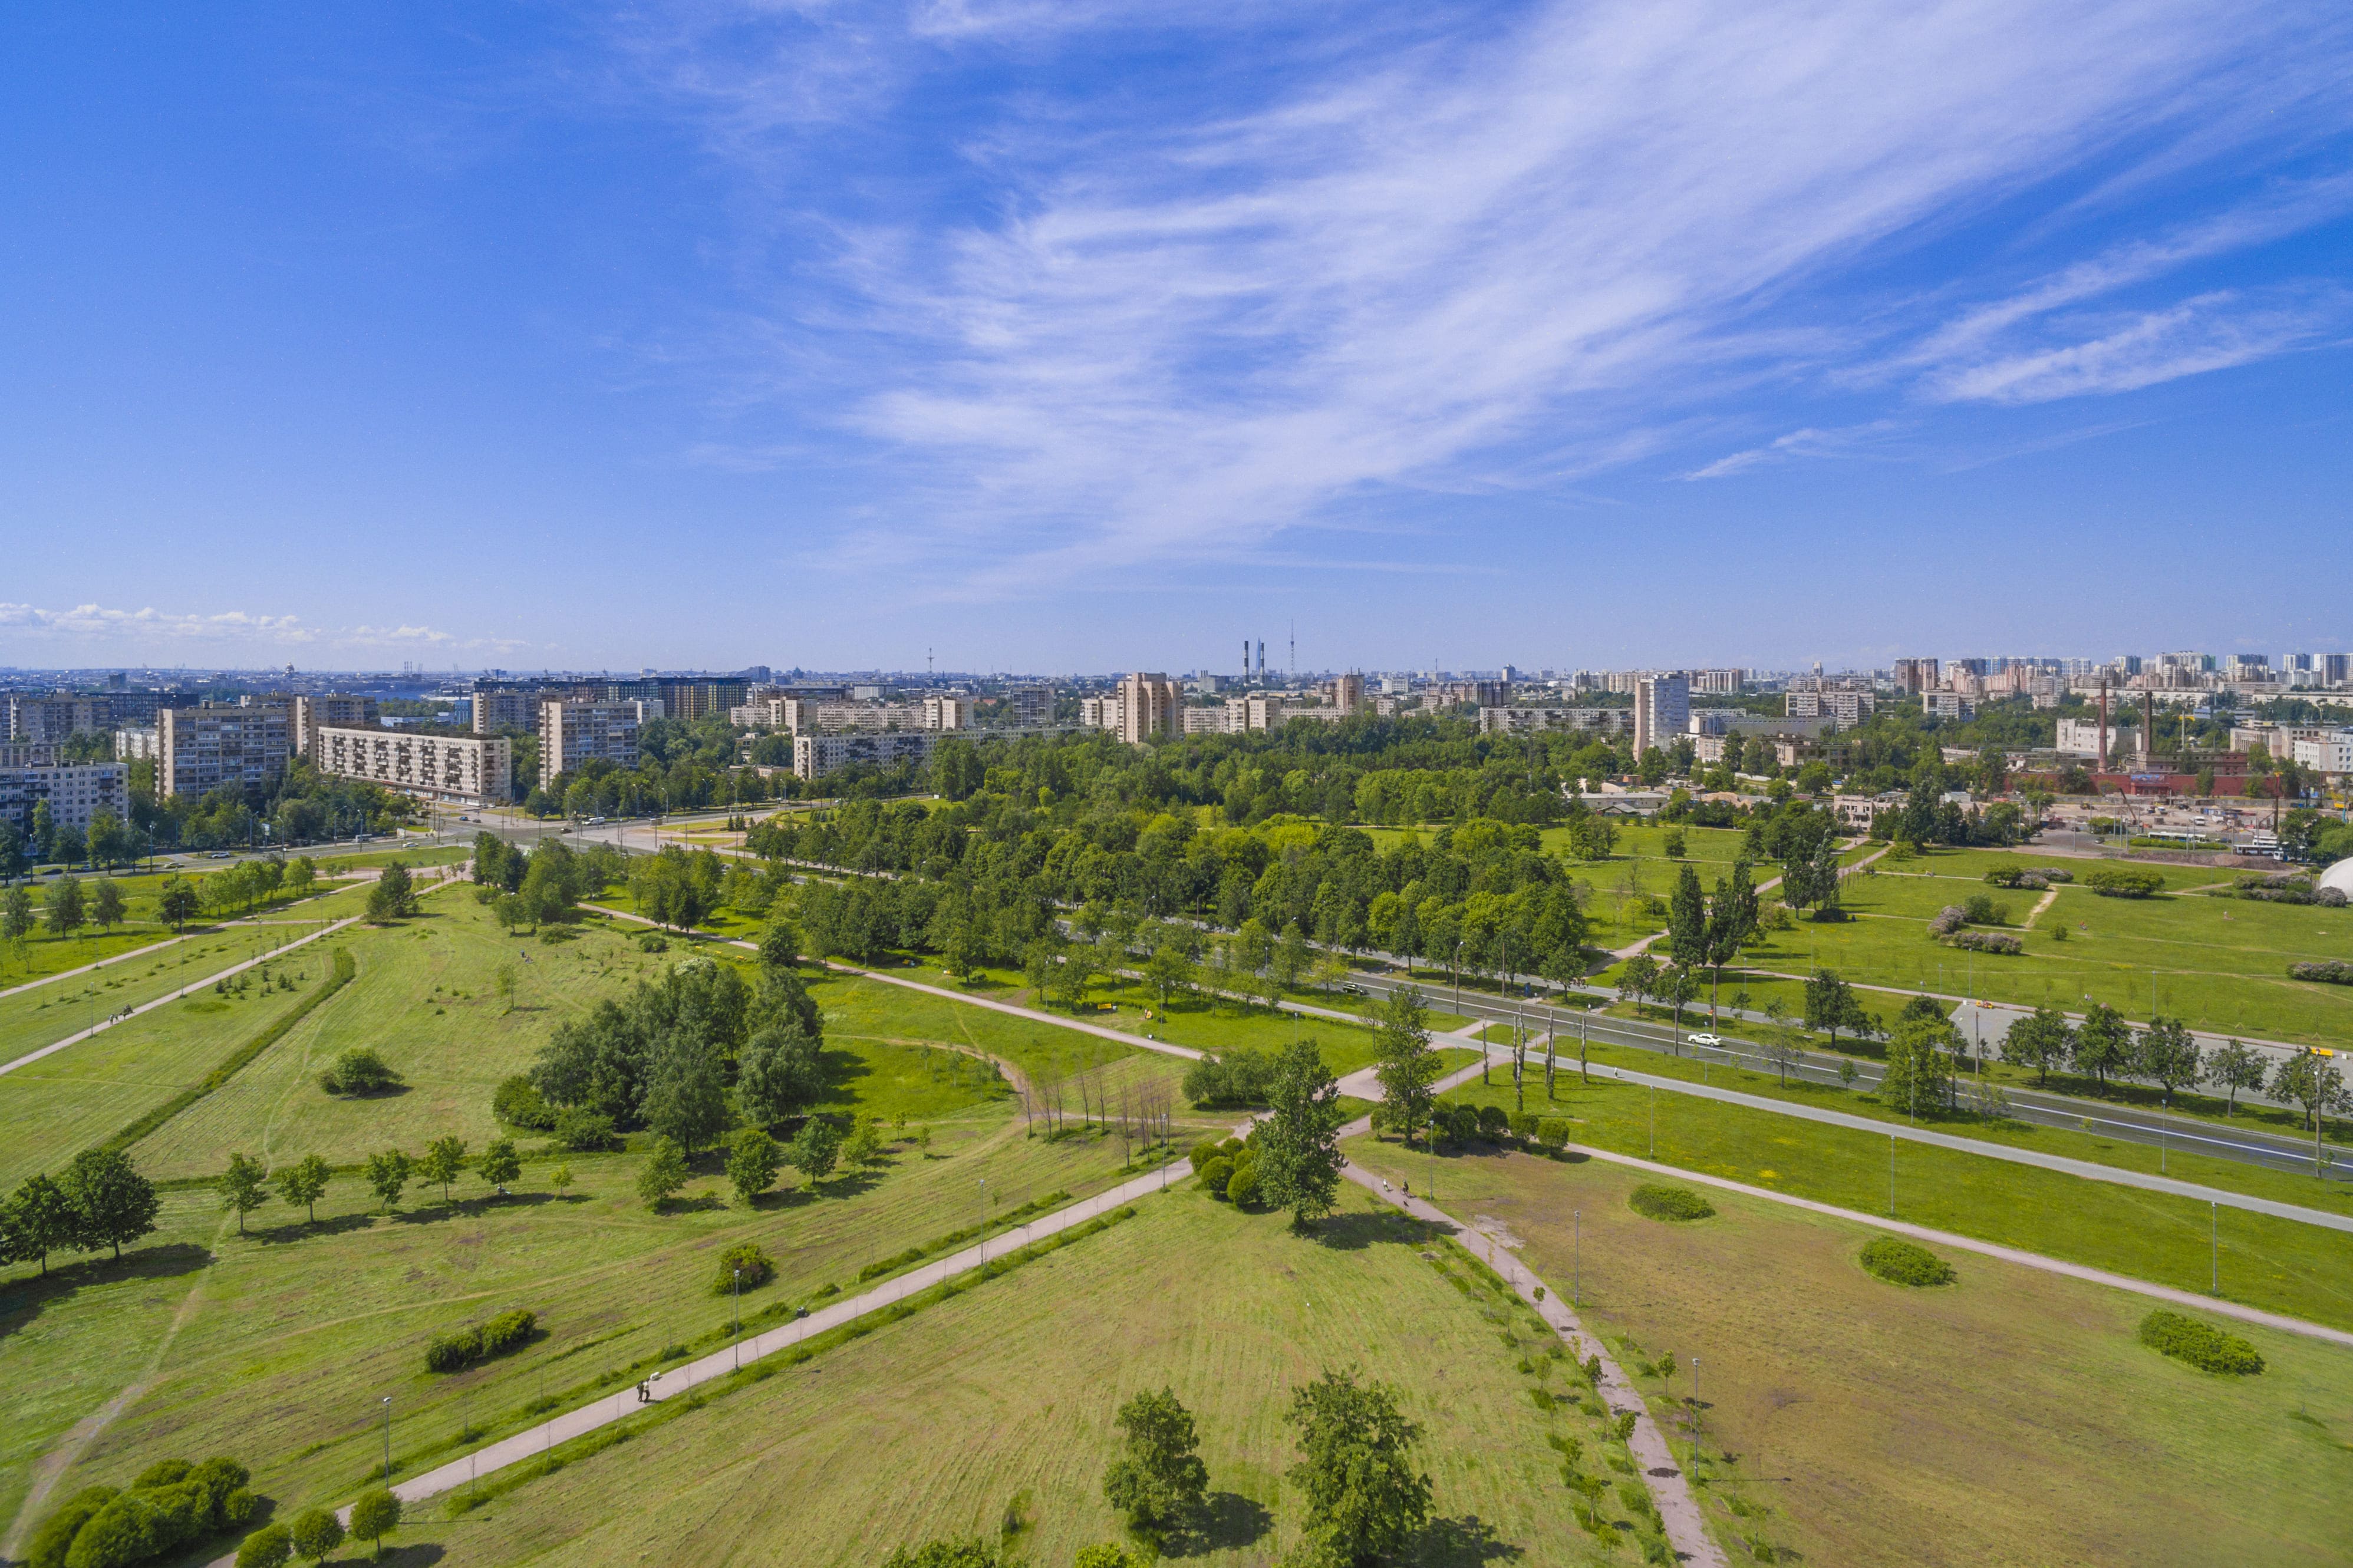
1244, 1076
359, 1070
1983, 910
2054, 873
1522, 1125
1900, 1263
454, 1352
315, 1533
584, 1132
1989, 942
2199, 1343
757, 1268
517, 1104
1216, 1175
56, 1536
2005, 876
2333, 972
268, 1547
653, 942
2331, 898
375, 1515
507, 1330
1949, 920
1242, 1188
1655, 1202
1553, 1133
1493, 1120
162, 1473
2122, 881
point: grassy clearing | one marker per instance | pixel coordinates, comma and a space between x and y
2280, 1265
42, 955
2010, 1417
287, 1338
1008, 1391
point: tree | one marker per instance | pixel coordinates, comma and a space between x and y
1299, 1158
178, 902
1406, 1065
1678, 987
106, 904
662, 1174
780, 1072
1919, 1075
1687, 920
2040, 1040
500, 1165
686, 1095
375, 1515
1831, 1006
974, 1552
111, 1202
37, 1220
1168, 970
2167, 1054
1355, 1470
304, 1182
62, 909
2102, 1042
315, 1533
2310, 1080
1291, 956
1158, 1479
815, 1148
15, 917
443, 1162
244, 1186
560, 1178
393, 895
269, 1547
1639, 979
864, 1145
387, 1173
2234, 1067
1731, 920
752, 1159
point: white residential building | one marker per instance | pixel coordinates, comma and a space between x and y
2331, 753
815, 755
1662, 710
471, 770
1848, 708
213, 745
573, 732
73, 791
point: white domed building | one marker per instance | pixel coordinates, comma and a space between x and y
2339, 877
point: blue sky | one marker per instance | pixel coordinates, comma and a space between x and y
1087, 335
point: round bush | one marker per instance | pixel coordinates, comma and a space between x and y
1654, 1202
1216, 1173
2199, 1343
757, 1269
1900, 1263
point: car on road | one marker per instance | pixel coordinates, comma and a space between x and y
1704, 1038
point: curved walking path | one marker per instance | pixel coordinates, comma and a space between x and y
1686, 1526
1987, 1150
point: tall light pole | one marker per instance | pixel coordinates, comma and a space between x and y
1576, 1253
739, 1319
387, 1438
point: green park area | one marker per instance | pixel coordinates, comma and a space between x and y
39, 951
2009, 1416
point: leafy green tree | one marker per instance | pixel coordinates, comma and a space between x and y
178, 902
500, 1165
62, 910
2168, 1054
752, 1160
1158, 1481
864, 1144
2102, 1042
106, 904
111, 1202
2040, 1040
269, 1547
974, 1552
443, 1161
815, 1148
780, 940
36, 1221
387, 1173
1292, 957
1299, 1158
780, 1072
1639, 979
1356, 1472
375, 1515
2310, 1080
1168, 970
393, 895
1731, 920
1919, 1075
1831, 1006
686, 1097
305, 1182
1408, 1068
1687, 920
663, 1174
1104, 1555
315, 1533
244, 1186
2234, 1065
560, 1178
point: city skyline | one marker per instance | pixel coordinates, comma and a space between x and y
1044, 340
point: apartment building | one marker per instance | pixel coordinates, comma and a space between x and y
1346, 693
1031, 706
1944, 705
2331, 753
503, 708
1719, 682
571, 732
73, 792
1530, 721
1148, 706
312, 714
1847, 707
1721, 721
1913, 675
1662, 710
816, 755
216, 744
469, 770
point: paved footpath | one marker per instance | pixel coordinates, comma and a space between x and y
1988, 1150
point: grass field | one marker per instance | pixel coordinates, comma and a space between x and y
934, 1425
2280, 1265
42, 954
278, 1345
2010, 1417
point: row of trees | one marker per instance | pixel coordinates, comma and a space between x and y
2165, 1053
541, 886
246, 1184
99, 1200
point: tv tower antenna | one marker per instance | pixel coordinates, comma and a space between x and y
1294, 650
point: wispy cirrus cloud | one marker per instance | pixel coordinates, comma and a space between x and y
1169, 323
2206, 333
94, 624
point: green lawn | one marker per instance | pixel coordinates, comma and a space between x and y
2009, 1417
41, 954
933, 1425
2280, 1265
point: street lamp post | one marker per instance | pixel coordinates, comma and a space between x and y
739, 1319
387, 1438
1576, 1253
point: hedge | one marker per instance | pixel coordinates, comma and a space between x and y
2333, 972
2199, 1343
1654, 1202
1989, 942
456, 1353
1900, 1263
171, 1506
340, 975
2124, 882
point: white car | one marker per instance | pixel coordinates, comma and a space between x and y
1704, 1039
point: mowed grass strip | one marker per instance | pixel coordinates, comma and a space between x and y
2011, 1417
931, 1426
2280, 1265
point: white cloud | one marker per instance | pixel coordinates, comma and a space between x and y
98, 626
1808, 443
2208, 332
1188, 327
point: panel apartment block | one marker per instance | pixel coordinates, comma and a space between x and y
471, 770
816, 755
74, 792
207, 747
571, 733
